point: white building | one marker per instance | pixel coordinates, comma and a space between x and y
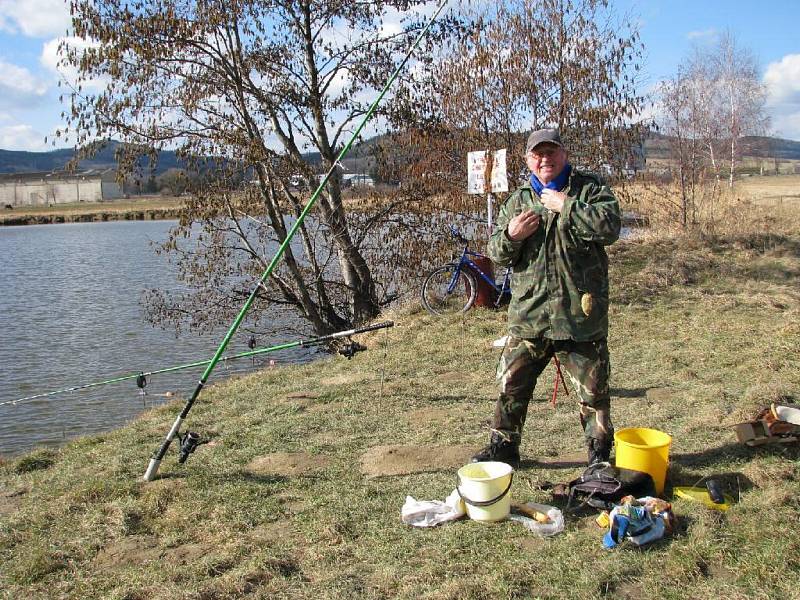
31, 189
357, 180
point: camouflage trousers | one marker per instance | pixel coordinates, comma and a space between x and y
586, 367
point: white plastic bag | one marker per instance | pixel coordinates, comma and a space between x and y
427, 513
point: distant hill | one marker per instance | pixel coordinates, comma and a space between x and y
359, 160
16, 161
658, 146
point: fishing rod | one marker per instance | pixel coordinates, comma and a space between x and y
158, 455
141, 376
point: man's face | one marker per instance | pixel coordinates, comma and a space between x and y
546, 161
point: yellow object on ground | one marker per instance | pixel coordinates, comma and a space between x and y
645, 450
603, 520
485, 487
538, 515
698, 494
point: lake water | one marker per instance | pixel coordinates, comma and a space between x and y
70, 315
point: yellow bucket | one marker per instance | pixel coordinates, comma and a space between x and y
484, 487
645, 450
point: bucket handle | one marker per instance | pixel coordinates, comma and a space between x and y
481, 503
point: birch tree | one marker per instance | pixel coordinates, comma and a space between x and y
743, 94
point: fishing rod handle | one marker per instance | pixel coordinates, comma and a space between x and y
382, 325
155, 460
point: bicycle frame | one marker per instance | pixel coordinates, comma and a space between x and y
504, 288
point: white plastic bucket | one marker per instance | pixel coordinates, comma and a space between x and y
484, 487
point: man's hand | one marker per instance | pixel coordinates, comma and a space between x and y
553, 200
523, 225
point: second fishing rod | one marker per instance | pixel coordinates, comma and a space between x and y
348, 350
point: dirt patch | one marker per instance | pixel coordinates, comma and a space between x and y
10, 501
344, 379
631, 590
8, 505
127, 552
659, 394
403, 460
532, 544
287, 463
563, 461
186, 553
450, 377
424, 416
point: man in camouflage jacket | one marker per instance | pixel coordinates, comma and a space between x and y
553, 232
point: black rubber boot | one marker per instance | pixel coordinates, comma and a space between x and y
599, 451
499, 449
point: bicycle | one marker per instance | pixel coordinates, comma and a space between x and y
453, 287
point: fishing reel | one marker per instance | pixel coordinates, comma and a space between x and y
141, 383
349, 350
189, 443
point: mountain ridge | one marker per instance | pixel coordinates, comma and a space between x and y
22, 161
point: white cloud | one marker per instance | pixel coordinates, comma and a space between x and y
782, 79
21, 137
19, 88
35, 18
702, 35
49, 59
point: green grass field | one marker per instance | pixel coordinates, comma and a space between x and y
294, 496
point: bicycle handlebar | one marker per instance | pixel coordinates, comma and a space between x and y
457, 235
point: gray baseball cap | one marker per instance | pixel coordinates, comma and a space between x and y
541, 136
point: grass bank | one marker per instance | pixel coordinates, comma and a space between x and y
298, 493
145, 208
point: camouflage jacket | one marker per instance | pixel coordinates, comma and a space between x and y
560, 280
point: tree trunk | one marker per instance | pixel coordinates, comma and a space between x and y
355, 271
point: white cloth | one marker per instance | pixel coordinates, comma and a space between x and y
427, 513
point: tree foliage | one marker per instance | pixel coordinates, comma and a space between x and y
570, 64
244, 90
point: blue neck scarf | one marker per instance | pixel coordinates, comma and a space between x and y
559, 182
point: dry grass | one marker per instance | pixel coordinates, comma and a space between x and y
719, 210
704, 331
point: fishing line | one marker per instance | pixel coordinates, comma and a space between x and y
158, 455
141, 376
383, 362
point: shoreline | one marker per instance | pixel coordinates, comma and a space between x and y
153, 214
103, 212
146, 208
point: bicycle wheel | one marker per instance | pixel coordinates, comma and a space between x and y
441, 296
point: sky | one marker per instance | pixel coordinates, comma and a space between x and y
31, 29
